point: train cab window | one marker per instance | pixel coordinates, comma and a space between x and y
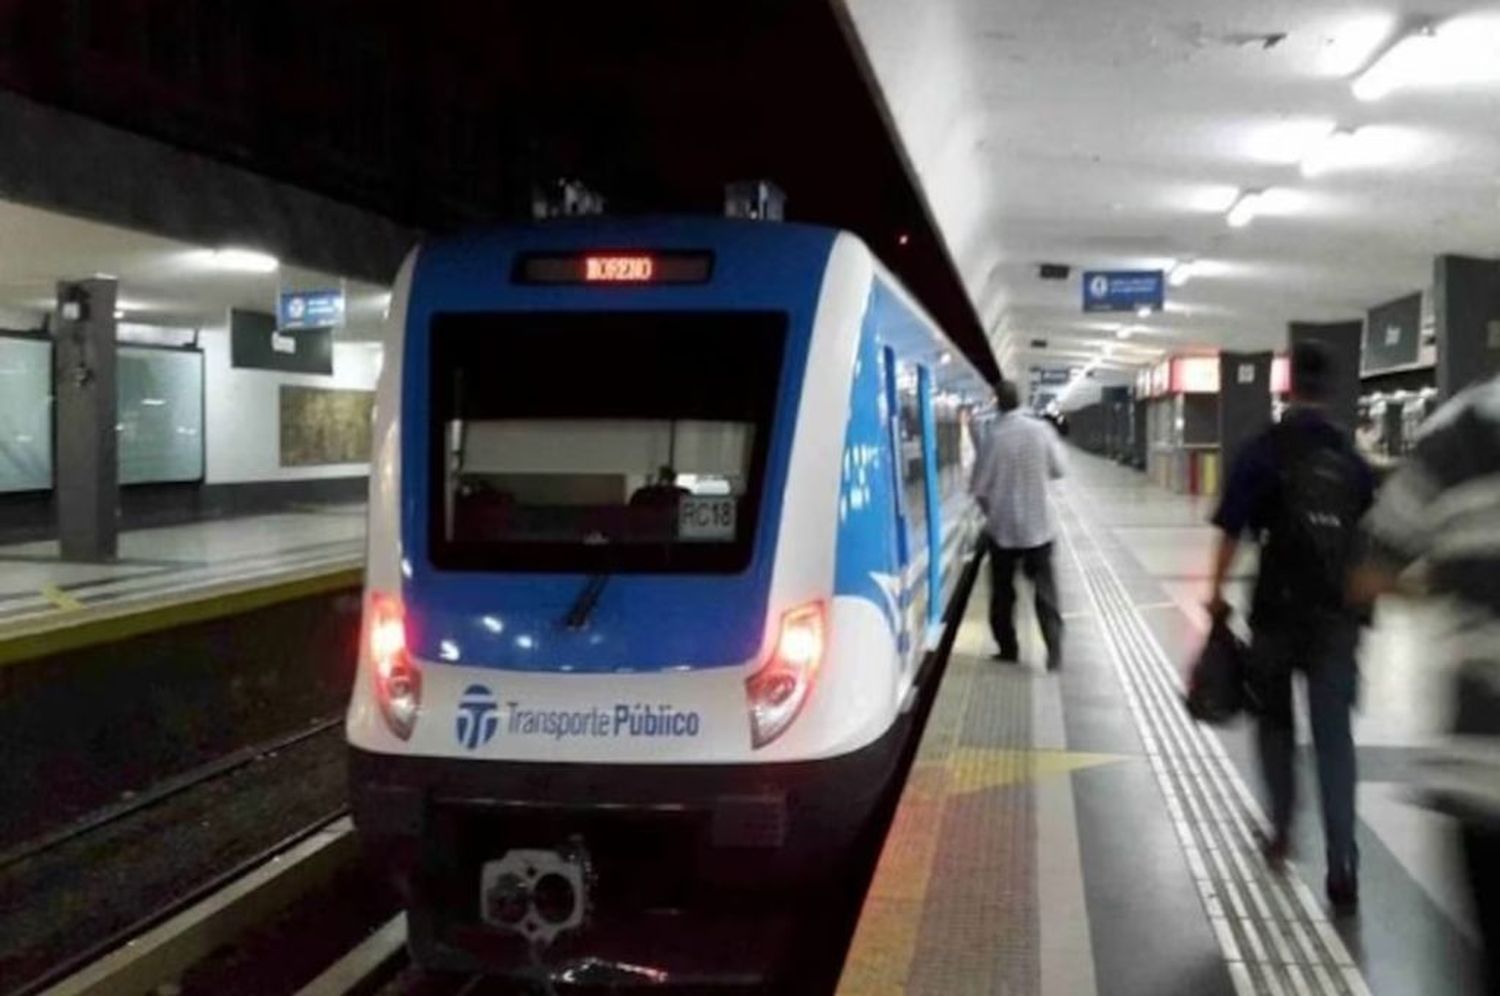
601, 442
913, 456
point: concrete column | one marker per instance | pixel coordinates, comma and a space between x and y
1342, 340
87, 475
1466, 307
1244, 401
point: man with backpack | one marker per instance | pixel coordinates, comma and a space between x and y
1300, 489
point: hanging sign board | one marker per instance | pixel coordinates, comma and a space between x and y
311, 309
256, 343
1123, 290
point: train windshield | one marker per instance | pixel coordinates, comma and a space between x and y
622, 442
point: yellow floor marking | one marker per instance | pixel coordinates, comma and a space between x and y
60, 598
885, 942
42, 636
979, 768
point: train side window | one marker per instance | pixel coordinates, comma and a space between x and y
954, 444
912, 457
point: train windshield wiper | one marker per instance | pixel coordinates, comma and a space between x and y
584, 604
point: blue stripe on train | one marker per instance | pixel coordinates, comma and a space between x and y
867, 564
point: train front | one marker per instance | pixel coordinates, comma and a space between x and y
589, 726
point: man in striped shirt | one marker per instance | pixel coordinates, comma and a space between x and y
1019, 457
1443, 508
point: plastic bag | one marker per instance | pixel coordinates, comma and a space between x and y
1218, 685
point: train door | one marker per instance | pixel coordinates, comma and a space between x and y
932, 494
903, 402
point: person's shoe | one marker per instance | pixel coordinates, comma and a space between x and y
1342, 887
1007, 655
1054, 662
1275, 848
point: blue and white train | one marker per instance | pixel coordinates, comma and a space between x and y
664, 519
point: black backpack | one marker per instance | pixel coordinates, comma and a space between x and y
1314, 535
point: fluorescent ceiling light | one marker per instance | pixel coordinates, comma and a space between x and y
1285, 142
1181, 272
1414, 59
1335, 151
1245, 208
241, 260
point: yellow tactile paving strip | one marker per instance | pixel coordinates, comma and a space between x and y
90, 625
941, 915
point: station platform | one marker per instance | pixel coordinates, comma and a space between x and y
1076, 833
173, 575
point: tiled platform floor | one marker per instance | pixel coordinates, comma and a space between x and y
36, 584
1074, 833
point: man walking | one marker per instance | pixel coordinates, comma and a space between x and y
1020, 455
1443, 507
1301, 489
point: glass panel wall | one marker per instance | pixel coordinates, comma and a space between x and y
160, 405
25, 414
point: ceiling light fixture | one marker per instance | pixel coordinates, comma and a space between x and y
242, 260
1244, 208
1414, 58
1181, 272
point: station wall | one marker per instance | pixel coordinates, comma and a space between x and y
243, 411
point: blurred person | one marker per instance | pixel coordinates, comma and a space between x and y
662, 492
1442, 508
1019, 457
1368, 437
1300, 489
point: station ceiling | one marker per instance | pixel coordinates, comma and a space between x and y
446, 113
1114, 135
163, 282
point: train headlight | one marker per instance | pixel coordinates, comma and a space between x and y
398, 680
777, 691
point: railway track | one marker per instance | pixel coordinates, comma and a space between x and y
155, 952
167, 789
102, 883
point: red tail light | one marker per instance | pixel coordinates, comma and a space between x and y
778, 690
398, 681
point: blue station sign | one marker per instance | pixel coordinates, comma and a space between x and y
311, 309
1124, 290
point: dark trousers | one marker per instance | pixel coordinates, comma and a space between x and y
1325, 653
1036, 564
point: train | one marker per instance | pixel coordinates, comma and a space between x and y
665, 518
